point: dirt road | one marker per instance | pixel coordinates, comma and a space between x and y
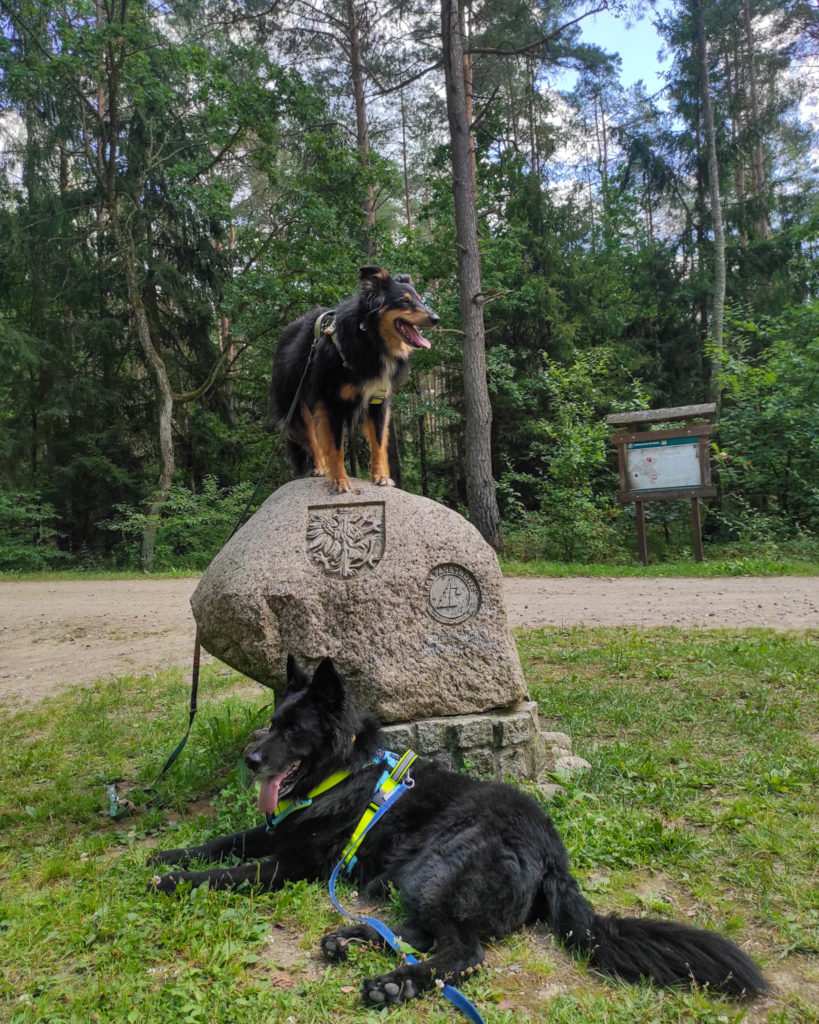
56, 634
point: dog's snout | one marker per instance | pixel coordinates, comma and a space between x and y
434, 319
254, 760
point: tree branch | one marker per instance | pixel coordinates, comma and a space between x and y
386, 90
498, 51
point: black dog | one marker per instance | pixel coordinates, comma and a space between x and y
469, 858
334, 366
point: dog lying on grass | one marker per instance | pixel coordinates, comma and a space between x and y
471, 859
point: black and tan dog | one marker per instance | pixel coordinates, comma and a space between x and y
339, 366
470, 859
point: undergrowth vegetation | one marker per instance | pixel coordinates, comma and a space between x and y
700, 805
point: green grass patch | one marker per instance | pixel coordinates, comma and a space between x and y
713, 566
720, 560
95, 573
700, 806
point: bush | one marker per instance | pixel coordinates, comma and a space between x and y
570, 526
192, 526
569, 454
28, 533
767, 449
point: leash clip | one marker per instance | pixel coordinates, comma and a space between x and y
119, 806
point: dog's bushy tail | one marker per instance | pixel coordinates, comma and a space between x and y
636, 949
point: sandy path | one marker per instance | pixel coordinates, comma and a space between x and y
54, 634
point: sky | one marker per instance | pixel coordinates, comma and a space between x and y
637, 45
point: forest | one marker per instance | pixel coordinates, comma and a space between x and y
181, 179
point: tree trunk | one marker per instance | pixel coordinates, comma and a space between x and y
469, 94
226, 347
115, 56
480, 487
533, 141
164, 390
732, 81
362, 126
757, 161
41, 419
405, 162
422, 442
718, 303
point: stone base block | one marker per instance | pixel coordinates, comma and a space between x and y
491, 744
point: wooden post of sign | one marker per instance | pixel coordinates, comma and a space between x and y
642, 540
696, 529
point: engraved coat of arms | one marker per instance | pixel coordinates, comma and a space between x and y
343, 540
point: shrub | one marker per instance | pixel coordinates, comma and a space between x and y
192, 525
28, 533
767, 450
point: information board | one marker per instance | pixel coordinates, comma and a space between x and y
664, 464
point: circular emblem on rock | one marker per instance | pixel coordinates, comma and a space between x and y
453, 594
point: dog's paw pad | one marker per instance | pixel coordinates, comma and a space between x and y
382, 992
334, 947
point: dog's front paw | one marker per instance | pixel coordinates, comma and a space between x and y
166, 884
388, 990
318, 472
334, 946
384, 481
341, 484
166, 857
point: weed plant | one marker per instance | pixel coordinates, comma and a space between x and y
700, 805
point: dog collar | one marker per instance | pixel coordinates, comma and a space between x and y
285, 807
395, 771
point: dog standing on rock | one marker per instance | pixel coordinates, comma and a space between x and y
470, 859
334, 367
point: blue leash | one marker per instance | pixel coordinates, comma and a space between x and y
457, 998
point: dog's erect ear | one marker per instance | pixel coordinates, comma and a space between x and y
297, 678
403, 278
373, 277
327, 687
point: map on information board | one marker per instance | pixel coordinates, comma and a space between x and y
661, 465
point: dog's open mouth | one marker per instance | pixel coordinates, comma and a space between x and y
276, 787
410, 334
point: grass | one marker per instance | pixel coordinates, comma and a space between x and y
715, 565
701, 805
96, 573
719, 562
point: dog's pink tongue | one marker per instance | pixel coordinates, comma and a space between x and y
269, 794
418, 339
